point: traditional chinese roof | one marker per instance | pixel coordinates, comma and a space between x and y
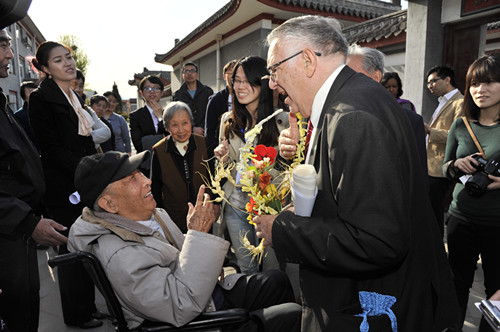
385, 26
493, 25
363, 8
236, 12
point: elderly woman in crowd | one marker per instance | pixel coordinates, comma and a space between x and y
177, 166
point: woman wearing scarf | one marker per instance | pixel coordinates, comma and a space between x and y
64, 131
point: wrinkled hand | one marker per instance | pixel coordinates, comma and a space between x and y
201, 216
221, 152
466, 164
289, 138
199, 131
264, 228
157, 108
46, 233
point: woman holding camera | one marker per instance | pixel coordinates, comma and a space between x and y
474, 223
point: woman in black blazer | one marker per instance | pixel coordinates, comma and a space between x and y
63, 130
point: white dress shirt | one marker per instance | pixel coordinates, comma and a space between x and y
318, 103
153, 116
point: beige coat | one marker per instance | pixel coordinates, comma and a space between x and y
153, 279
436, 146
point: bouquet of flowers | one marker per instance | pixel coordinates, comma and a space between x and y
267, 193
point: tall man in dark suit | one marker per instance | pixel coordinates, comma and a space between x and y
218, 104
371, 228
21, 225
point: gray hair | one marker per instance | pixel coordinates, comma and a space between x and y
372, 58
322, 33
173, 108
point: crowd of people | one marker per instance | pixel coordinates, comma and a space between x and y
370, 255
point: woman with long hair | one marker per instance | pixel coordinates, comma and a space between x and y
63, 130
252, 102
474, 223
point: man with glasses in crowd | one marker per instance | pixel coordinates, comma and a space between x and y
441, 83
370, 254
195, 94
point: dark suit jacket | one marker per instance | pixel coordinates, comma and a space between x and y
24, 120
55, 124
217, 105
417, 125
141, 124
372, 227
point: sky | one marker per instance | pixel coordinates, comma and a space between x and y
121, 37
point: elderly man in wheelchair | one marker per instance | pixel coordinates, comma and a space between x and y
158, 273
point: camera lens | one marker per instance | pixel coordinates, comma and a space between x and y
477, 184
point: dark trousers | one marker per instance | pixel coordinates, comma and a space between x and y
75, 286
20, 284
268, 296
438, 187
466, 241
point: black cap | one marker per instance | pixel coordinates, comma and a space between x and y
94, 173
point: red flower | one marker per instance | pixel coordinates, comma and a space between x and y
264, 180
263, 151
250, 205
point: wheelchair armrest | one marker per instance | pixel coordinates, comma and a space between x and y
213, 319
63, 259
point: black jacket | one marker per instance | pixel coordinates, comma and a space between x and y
198, 104
55, 124
372, 227
141, 124
217, 105
21, 178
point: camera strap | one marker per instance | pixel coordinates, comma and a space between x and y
474, 138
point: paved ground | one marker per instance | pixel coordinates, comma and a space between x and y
51, 314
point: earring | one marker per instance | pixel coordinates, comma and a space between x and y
50, 76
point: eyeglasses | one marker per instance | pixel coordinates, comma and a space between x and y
433, 81
238, 82
151, 89
272, 69
189, 71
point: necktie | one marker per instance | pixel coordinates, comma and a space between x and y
310, 128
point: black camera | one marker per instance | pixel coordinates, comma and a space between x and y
476, 185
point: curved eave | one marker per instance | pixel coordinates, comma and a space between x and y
220, 16
231, 17
391, 25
